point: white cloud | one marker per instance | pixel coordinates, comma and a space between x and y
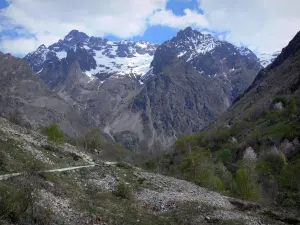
22, 46
168, 18
267, 25
55, 18
95, 17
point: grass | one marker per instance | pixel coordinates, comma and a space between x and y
15, 159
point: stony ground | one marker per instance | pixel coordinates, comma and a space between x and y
90, 195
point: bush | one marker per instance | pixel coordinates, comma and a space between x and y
244, 186
224, 156
15, 202
290, 176
55, 134
271, 164
247, 180
123, 191
280, 98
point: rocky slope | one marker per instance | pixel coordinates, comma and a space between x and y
191, 80
93, 195
96, 56
279, 78
26, 99
195, 78
253, 150
266, 59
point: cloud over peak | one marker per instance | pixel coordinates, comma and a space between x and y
263, 25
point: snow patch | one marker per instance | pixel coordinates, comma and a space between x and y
61, 55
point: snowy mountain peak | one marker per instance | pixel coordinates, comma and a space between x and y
200, 50
42, 47
76, 35
266, 59
246, 52
189, 42
97, 56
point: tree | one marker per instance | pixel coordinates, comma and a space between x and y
55, 134
225, 156
246, 180
93, 140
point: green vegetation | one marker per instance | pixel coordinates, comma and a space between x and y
123, 190
15, 159
214, 159
246, 181
18, 203
55, 134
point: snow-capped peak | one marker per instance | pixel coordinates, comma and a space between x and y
76, 35
42, 48
100, 56
244, 51
189, 43
265, 58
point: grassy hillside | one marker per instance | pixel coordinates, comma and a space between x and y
253, 150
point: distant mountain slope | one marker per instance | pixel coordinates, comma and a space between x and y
282, 77
195, 78
23, 92
266, 59
139, 92
254, 147
97, 56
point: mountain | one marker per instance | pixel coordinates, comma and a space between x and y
280, 78
72, 185
266, 59
195, 78
138, 92
24, 97
97, 56
252, 150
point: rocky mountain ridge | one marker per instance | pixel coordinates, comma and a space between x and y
97, 55
266, 59
27, 100
194, 75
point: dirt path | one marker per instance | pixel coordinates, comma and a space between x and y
7, 176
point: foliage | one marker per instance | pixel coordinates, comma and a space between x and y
55, 134
280, 98
271, 164
123, 190
93, 140
224, 156
245, 186
150, 164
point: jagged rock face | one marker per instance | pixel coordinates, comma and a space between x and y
192, 78
281, 77
21, 90
96, 56
210, 57
266, 59
195, 79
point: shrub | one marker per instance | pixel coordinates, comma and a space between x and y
224, 156
123, 165
55, 134
291, 108
290, 176
280, 98
93, 140
15, 202
247, 180
271, 164
244, 185
123, 191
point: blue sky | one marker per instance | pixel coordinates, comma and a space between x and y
155, 33
26, 24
